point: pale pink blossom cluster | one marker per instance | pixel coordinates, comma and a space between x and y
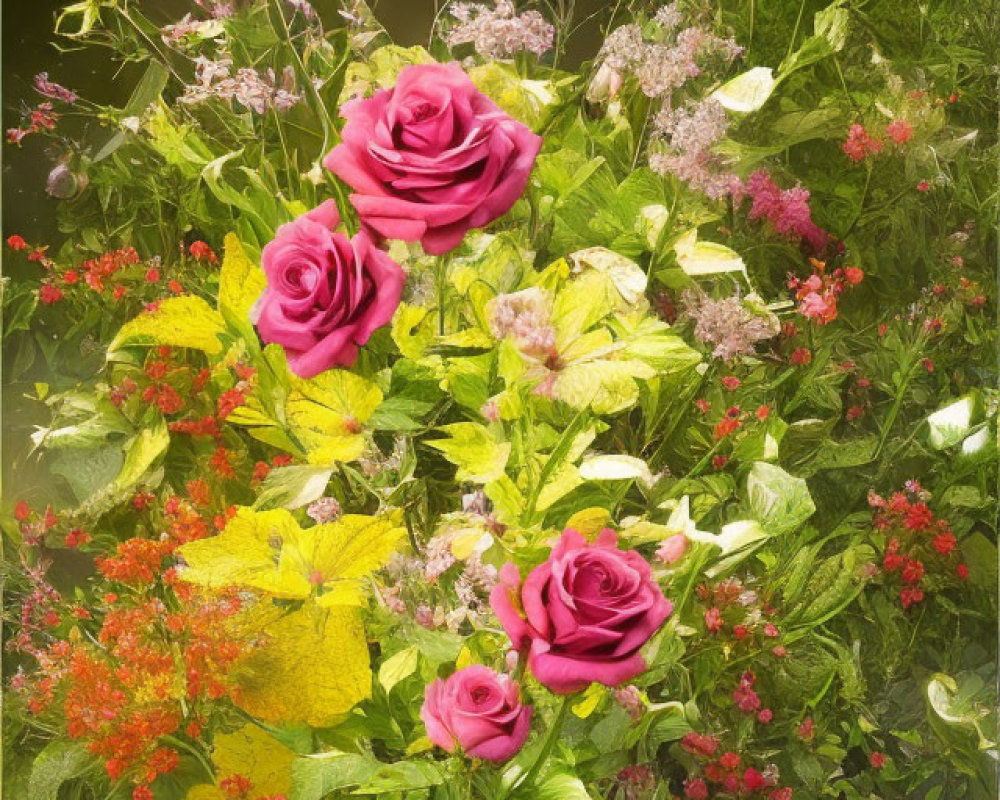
323, 510
661, 67
727, 324
247, 87
525, 316
499, 32
688, 135
218, 9
787, 210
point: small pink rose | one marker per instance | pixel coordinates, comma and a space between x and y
326, 294
432, 157
586, 612
479, 711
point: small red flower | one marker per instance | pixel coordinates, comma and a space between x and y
877, 759
923, 186
22, 511
729, 761
900, 131
713, 620
50, 294
152, 275
16, 242
944, 543
731, 382
801, 357
854, 275
201, 251
962, 571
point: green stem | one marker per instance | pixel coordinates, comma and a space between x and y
326, 123
182, 745
551, 735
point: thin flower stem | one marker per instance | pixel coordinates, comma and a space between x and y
551, 736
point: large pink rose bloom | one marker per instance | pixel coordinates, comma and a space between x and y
479, 711
432, 157
325, 293
587, 611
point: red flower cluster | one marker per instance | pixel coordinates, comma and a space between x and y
861, 144
817, 294
726, 776
915, 539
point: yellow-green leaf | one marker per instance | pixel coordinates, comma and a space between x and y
240, 282
186, 321
254, 754
310, 668
267, 550
327, 413
473, 450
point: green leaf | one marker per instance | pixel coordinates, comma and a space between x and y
316, 776
778, 501
479, 458
59, 762
399, 666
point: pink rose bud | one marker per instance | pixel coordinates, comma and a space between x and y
479, 711
432, 157
326, 294
587, 612
672, 548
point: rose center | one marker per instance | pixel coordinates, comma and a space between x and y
424, 111
480, 695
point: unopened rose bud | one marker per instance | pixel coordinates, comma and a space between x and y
605, 85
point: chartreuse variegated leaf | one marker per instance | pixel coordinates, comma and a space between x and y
952, 423
627, 276
311, 665
746, 92
252, 753
580, 304
186, 321
326, 414
240, 284
698, 258
268, 551
525, 100
472, 448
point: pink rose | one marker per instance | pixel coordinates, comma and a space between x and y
432, 157
587, 611
325, 293
479, 711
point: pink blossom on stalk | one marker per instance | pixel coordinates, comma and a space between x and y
54, 91
786, 210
